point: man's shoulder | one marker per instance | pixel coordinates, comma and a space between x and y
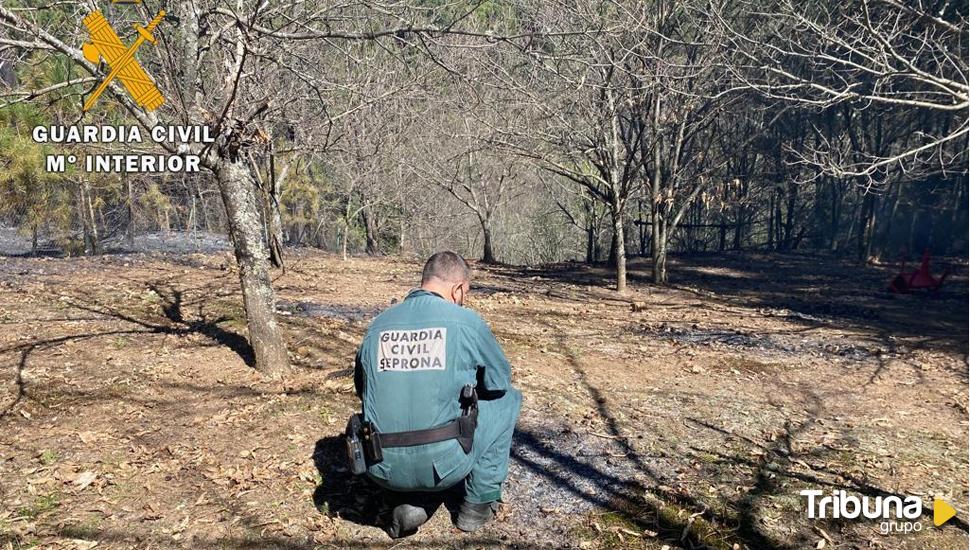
471, 317
421, 312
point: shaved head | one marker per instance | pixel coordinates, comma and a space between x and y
446, 267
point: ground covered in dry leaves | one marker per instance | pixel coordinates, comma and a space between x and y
680, 417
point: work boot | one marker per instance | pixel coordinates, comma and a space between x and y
405, 521
473, 516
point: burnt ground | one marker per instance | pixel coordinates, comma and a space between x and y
130, 418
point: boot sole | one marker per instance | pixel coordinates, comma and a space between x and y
470, 525
405, 521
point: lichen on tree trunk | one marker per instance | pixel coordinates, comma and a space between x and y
252, 254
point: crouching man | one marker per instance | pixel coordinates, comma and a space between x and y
438, 404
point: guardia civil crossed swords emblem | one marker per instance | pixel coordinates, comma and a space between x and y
105, 44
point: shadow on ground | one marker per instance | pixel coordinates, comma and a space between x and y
359, 500
340, 493
628, 485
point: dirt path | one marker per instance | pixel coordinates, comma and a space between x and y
130, 419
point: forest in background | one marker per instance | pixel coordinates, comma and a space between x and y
525, 132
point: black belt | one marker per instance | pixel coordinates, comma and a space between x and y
365, 443
451, 430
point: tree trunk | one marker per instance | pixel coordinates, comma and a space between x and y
866, 223
205, 210
911, 237
130, 206
274, 220
790, 217
488, 255
740, 214
660, 255
190, 225
834, 220
343, 243
246, 228
890, 215
620, 246
771, 221
370, 231
642, 227
738, 221
658, 248
88, 225
778, 222
818, 215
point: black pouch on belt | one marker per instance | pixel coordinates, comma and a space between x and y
468, 420
355, 449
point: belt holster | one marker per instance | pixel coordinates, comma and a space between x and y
468, 420
363, 444
354, 446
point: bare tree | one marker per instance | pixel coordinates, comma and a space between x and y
908, 56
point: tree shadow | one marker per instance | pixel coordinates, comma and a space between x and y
26, 349
252, 540
663, 512
738, 521
173, 306
777, 461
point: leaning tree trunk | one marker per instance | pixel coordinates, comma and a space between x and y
274, 231
242, 208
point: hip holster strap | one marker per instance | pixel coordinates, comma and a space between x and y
451, 430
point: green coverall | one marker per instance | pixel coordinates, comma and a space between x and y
410, 369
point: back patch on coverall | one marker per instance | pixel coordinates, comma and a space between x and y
410, 350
